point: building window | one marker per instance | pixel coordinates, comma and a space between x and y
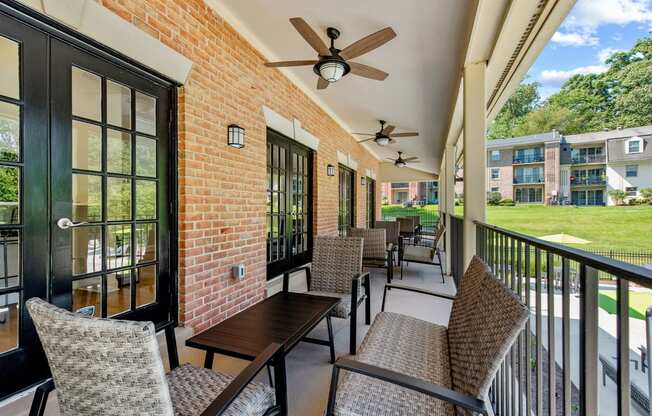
494, 189
495, 173
346, 214
631, 190
495, 155
631, 171
529, 195
634, 145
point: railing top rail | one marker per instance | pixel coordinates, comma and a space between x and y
637, 274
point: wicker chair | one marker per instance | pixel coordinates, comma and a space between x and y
414, 253
336, 271
112, 367
376, 252
407, 366
416, 220
393, 236
407, 228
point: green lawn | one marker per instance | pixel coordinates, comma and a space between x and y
638, 302
608, 228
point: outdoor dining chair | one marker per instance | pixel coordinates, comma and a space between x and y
336, 270
393, 236
414, 253
113, 367
376, 252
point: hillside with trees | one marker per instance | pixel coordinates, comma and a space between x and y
619, 97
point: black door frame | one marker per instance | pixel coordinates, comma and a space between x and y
352, 199
278, 267
34, 368
371, 203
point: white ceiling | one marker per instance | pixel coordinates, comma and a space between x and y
424, 61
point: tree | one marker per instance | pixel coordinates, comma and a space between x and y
646, 195
522, 102
618, 196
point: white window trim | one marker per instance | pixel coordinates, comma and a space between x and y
631, 176
634, 139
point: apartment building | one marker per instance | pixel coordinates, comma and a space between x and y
424, 192
578, 169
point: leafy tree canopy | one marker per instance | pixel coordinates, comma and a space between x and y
618, 97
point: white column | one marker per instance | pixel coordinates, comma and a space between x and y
449, 200
475, 154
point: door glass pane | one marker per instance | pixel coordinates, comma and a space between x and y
145, 200
9, 68
86, 95
118, 199
145, 285
9, 314
86, 146
145, 114
9, 258
118, 246
87, 294
86, 197
145, 157
118, 152
118, 105
9, 195
145, 242
118, 297
9, 131
86, 250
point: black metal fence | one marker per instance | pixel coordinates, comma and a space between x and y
457, 249
531, 381
429, 214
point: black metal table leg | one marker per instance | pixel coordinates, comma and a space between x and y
269, 374
208, 360
329, 324
281, 386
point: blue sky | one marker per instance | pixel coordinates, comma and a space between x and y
591, 33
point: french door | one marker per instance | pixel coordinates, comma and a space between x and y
346, 214
289, 204
371, 203
85, 214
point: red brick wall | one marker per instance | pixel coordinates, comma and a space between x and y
221, 189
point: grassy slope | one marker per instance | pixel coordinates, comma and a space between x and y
638, 302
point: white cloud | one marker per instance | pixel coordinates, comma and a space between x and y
554, 78
580, 27
574, 39
606, 53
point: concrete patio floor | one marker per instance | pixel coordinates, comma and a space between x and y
308, 369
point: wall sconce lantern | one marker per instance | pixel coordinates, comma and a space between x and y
363, 181
236, 136
330, 170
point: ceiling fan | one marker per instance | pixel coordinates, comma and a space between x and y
332, 63
384, 136
401, 162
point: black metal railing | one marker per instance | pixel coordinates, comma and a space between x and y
536, 377
400, 185
520, 179
589, 180
528, 159
427, 213
457, 248
579, 159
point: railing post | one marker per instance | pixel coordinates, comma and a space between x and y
588, 340
648, 333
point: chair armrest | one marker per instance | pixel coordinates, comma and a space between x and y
40, 399
286, 276
458, 399
231, 392
361, 277
389, 247
416, 290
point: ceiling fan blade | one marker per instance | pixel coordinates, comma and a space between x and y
367, 71
310, 36
389, 158
411, 134
290, 63
410, 159
387, 130
322, 84
366, 140
368, 43
365, 134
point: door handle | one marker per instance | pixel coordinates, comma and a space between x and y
65, 223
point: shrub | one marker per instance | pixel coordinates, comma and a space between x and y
646, 195
506, 202
618, 196
493, 198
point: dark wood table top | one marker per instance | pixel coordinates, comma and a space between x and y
284, 318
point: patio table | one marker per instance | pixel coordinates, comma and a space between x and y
285, 318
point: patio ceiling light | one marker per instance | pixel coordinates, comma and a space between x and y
332, 70
236, 136
400, 164
382, 140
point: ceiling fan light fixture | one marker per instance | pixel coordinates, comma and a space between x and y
382, 141
332, 70
400, 164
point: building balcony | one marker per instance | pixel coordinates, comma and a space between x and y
520, 160
587, 159
400, 185
588, 181
528, 179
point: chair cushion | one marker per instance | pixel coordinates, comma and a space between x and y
419, 254
409, 346
193, 389
343, 309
